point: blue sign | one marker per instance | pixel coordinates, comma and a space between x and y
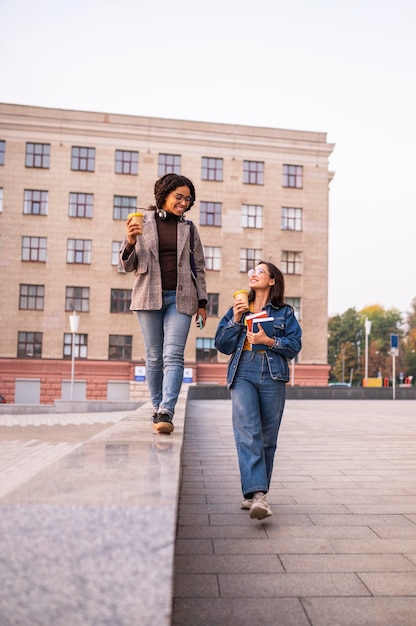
394, 345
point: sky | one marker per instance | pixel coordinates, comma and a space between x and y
342, 67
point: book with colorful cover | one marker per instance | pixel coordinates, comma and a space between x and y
249, 318
267, 324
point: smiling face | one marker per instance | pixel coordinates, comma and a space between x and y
177, 201
259, 278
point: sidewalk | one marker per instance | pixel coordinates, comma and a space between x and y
340, 549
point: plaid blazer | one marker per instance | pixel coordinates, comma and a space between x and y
144, 262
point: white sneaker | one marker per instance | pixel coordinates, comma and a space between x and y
260, 508
246, 504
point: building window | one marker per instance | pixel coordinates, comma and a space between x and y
38, 155
213, 304
81, 204
77, 299
205, 350
126, 162
78, 251
295, 303
83, 159
120, 347
2, 151
115, 249
212, 258
253, 172
34, 249
1, 199
80, 346
169, 163
291, 262
211, 168
35, 202
210, 213
291, 218
29, 345
120, 301
31, 297
251, 216
293, 176
249, 258
122, 206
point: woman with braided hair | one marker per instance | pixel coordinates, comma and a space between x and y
167, 291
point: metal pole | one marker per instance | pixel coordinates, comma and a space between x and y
394, 377
73, 366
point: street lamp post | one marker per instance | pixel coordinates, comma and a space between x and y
74, 323
367, 325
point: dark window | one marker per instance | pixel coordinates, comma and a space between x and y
249, 258
120, 301
80, 346
81, 204
2, 151
169, 163
34, 249
77, 299
83, 159
205, 350
38, 155
293, 176
78, 251
126, 162
122, 206
213, 304
210, 213
211, 168
253, 172
120, 347
35, 202
31, 297
29, 345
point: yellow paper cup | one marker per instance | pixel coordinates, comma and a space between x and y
137, 218
241, 296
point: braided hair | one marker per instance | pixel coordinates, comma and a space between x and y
168, 183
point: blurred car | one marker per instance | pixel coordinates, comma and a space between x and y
339, 385
2, 399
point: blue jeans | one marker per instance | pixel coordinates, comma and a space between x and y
165, 333
257, 408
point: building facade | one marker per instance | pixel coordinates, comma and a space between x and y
68, 179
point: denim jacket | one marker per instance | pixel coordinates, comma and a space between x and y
230, 337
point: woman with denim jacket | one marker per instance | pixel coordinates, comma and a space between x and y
167, 290
257, 380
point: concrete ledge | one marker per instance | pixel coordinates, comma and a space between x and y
68, 406
219, 392
88, 530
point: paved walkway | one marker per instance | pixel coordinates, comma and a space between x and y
340, 549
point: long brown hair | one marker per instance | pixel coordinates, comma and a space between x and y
277, 291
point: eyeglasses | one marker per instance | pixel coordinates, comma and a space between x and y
180, 198
258, 271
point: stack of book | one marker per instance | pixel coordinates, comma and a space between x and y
266, 322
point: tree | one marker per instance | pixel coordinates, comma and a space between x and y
346, 343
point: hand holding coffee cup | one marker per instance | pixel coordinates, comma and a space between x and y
240, 303
134, 226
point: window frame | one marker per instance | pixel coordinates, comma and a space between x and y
163, 165
39, 157
292, 176
82, 161
35, 296
126, 162
210, 213
212, 169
